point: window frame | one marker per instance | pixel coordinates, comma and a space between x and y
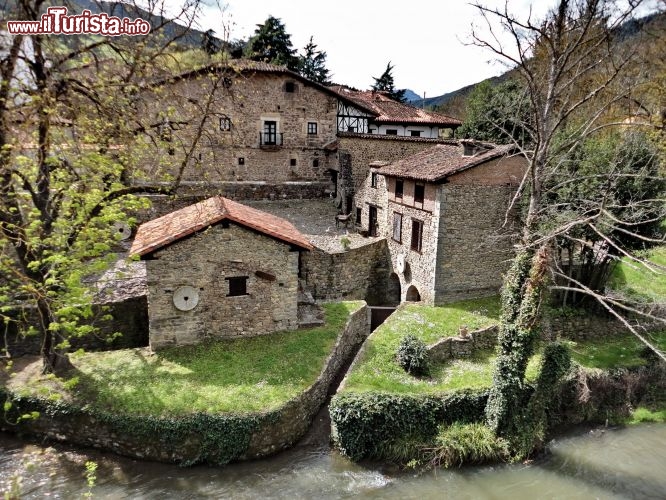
416, 244
373, 180
236, 284
312, 128
397, 218
225, 124
420, 187
399, 193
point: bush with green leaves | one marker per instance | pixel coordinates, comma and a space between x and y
412, 355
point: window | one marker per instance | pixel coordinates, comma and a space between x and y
399, 186
415, 133
397, 227
270, 133
373, 179
359, 215
290, 87
241, 161
419, 193
225, 123
391, 131
315, 163
292, 162
226, 82
237, 286
351, 129
417, 234
312, 128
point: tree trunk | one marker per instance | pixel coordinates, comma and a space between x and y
54, 359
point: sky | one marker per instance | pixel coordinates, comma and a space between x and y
427, 41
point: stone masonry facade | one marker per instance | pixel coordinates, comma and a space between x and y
229, 142
203, 261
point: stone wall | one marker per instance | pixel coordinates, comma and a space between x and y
474, 250
142, 438
588, 326
247, 101
357, 274
129, 318
203, 261
461, 347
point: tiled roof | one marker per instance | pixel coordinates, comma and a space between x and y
389, 111
436, 163
169, 228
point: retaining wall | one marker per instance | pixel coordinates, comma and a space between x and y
197, 438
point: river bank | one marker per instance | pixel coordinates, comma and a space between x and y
609, 463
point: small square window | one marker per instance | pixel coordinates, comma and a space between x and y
312, 128
290, 87
225, 123
241, 161
292, 162
315, 163
391, 131
399, 186
397, 227
419, 193
373, 179
417, 235
415, 133
237, 286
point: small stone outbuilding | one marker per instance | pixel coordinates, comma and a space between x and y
219, 269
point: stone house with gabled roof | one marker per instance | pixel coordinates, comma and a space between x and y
443, 211
219, 269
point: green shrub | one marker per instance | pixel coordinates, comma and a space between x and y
412, 355
377, 425
468, 443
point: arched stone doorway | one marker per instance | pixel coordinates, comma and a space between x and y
413, 294
393, 292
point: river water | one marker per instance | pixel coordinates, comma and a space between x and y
602, 463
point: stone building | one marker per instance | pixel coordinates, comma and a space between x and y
442, 211
219, 269
224, 127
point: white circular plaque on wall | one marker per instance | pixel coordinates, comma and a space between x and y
122, 229
185, 298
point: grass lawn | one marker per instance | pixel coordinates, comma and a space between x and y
640, 282
239, 375
379, 371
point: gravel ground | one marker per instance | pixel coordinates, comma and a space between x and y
316, 220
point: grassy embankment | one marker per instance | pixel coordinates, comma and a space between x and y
379, 371
239, 375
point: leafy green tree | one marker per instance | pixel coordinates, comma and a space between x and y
272, 44
499, 114
312, 64
385, 84
69, 138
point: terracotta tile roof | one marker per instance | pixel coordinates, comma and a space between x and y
389, 111
436, 163
169, 228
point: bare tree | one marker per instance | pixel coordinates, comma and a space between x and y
571, 66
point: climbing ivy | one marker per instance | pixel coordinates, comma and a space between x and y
365, 424
521, 295
218, 438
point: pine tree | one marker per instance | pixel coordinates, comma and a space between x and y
210, 43
312, 64
385, 84
271, 43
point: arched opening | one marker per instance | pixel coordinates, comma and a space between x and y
413, 294
393, 291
